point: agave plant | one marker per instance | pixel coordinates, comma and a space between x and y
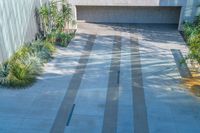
42, 50
20, 76
50, 46
24, 66
4, 72
24, 70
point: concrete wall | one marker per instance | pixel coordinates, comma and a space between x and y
188, 12
17, 24
122, 14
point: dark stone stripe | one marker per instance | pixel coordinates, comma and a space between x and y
111, 108
139, 106
69, 98
182, 67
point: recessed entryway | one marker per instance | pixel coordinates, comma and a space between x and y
122, 14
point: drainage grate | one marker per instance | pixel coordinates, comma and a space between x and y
118, 77
70, 115
182, 67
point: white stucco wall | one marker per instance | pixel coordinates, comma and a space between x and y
17, 24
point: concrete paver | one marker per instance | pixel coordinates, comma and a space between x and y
170, 107
91, 98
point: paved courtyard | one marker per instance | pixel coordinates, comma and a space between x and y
111, 79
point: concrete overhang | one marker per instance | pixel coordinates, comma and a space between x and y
128, 2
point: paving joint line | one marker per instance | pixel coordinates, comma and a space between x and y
111, 107
139, 105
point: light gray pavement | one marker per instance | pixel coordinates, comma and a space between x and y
170, 108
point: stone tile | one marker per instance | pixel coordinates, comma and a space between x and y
163, 127
125, 98
125, 119
32, 125
89, 108
81, 130
170, 107
7, 124
96, 95
86, 121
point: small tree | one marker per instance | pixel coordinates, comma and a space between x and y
67, 14
54, 19
44, 14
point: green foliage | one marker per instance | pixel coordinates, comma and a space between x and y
51, 38
192, 35
26, 64
24, 71
189, 30
23, 67
63, 39
60, 23
44, 14
4, 72
194, 47
197, 21
42, 50
54, 19
67, 14
70, 37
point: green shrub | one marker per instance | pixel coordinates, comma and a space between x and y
51, 38
63, 39
42, 49
4, 72
19, 74
194, 48
44, 15
197, 21
189, 30
192, 35
23, 67
23, 72
50, 46
71, 36
54, 19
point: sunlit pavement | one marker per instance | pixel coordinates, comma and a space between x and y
111, 79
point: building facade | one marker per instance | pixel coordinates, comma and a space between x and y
136, 11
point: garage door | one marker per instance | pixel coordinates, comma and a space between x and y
118, 14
